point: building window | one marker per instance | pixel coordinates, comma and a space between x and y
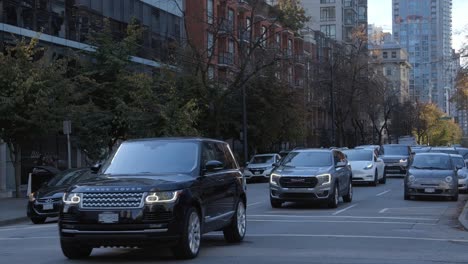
248, 24
231, 18
327, 1
263, 36
209, 11
290, 44
290, 75
385, 55
388, 72
329, 30
278, 39
393, 54
210, 44
210, 72
327, 13
231, 46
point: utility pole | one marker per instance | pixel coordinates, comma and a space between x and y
332, 101
244, 124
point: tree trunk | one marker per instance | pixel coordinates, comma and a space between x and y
17, 163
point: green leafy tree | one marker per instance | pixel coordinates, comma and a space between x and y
34, 95
292, 14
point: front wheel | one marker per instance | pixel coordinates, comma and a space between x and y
38, 219
376, 179
384, 179
235, 232
349, 195
75, 251
334, 198
275, 203
455, 197
189, 244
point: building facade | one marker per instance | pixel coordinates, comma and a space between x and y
336, 18
392, 61
67, 23
424, 29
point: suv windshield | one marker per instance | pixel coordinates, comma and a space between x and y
263, 159
396, 150
432, 162
153, 157
308, 159
359, 155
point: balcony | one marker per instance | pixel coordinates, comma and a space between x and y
243, 6
225, 59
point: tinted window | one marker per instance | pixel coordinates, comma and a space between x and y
153, 157
357, 155
213, 151
396, 150
308, 159
68, 177
434, 162
263, 159
230, 161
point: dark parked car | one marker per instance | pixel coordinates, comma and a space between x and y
46, 201
150, 192
432, 174
311, 175
396, 158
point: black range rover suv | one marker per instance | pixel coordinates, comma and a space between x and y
152, 192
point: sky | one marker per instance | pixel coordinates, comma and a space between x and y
380, 14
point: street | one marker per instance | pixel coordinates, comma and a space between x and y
377, 227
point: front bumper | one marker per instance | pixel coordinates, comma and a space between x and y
396, 169
364, 175
463, 184
152, 224
300, 194
442, 189
36, 209
251, 174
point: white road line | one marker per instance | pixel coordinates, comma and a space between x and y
350, 217
412, 208
356, 236
335, 221
53, 225
383, 210
252, 204
26, 238
382, 193
342, 210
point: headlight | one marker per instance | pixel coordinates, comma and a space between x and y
31, 197
162, 197
449, 179
71, 198
411, 178
369, 166
462, 175
404, 160
324, 179
274, 179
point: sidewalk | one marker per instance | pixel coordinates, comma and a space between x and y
12, 210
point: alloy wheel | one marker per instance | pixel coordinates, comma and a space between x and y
194, 235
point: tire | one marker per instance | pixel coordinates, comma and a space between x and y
376, 179
407, 196
38, 220
189, 243
235, 232
275, 203
75, 251
384, 178
334, 198
349, 195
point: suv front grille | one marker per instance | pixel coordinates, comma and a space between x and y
298, 182
112, 200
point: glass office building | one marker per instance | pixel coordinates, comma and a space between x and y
67, 23
424, 29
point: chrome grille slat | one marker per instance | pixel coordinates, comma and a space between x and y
112, 200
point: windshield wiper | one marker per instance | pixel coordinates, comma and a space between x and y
430, 168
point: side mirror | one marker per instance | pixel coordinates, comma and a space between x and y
459, 167
379, 160
213, 165
95, 168
276, 164
413, 153
247, 163
341, 164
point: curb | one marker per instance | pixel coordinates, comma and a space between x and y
463, 218
13, 220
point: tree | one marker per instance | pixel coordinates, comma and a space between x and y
34, 95
292, 15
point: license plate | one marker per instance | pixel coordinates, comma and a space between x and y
429, 190
108, 218
257, 172
48, 206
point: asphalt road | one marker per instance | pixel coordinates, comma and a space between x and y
377, 227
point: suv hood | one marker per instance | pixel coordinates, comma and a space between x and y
428, 174
135, 183
302, 171
51, 192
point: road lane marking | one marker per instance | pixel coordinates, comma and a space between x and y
383, 210
344, 216
52, 225
23, 238
252, 204
342, 210
357, 236
382, 193
336, 221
